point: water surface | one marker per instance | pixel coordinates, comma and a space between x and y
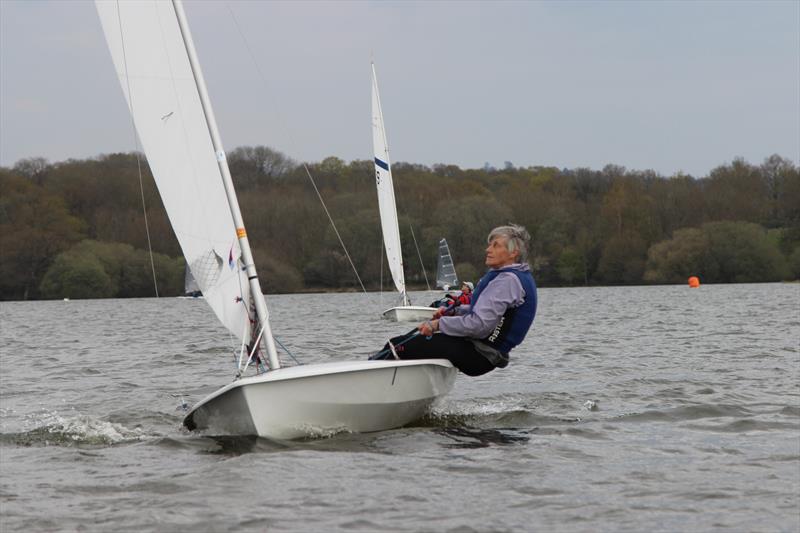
625, 409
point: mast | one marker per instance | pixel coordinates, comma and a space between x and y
230, 192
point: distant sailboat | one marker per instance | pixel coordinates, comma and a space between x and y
388, 211
446, 277
190, 287
161, 78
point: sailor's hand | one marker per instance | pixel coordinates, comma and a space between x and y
440, 312
428, 328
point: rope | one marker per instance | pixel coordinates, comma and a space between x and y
291, 142
286, 350
387, 350
308, 173
146, 223
252, 352
413, 333
138, 154
420, 257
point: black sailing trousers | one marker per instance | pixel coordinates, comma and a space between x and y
458, 350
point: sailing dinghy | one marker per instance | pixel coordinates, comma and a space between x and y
446, 277
388, 211
161, 78
190, 287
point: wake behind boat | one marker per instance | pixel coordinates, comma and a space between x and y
388, 211
163, 84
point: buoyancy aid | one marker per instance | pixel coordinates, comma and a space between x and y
516, 321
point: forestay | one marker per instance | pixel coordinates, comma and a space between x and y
445, 270
386, 202
153, 67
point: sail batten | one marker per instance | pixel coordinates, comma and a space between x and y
386, 201
157, 79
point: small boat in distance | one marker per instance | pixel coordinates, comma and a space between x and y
190, 287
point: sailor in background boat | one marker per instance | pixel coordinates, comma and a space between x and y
478, 338
461, 297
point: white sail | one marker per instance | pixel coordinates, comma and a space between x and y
151, 60
386, 203
445, 270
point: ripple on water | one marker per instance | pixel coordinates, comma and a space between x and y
691, 412
745, 426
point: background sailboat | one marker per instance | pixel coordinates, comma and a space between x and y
190, 287
388, 212
160, 75
446, 276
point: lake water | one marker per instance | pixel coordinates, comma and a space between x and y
625, 409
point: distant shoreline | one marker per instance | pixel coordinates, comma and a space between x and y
423, 289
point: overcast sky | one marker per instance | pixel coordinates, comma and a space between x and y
669, 86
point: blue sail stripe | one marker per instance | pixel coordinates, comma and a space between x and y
384, 166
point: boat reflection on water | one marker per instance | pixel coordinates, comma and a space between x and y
465, 437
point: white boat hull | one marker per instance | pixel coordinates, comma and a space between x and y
323, 399
409, 313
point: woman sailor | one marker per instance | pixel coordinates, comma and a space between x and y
478, 338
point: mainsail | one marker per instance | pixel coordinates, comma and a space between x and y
386, 203
445, 270
157, 79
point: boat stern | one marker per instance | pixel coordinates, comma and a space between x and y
409, 313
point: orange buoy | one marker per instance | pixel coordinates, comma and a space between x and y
694, 282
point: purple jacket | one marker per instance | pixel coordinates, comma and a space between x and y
503, 292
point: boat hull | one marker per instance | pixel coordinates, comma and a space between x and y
409, 313
323, 399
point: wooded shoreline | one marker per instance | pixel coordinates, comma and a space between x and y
75, 229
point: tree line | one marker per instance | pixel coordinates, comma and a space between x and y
77, 229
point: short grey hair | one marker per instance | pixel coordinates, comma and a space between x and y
518, 239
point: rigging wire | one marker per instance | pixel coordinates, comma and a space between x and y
286, 350
291, 142
308, 173
138, 153
420, 257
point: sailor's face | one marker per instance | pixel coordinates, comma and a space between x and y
497, 254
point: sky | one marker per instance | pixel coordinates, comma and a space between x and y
668, 86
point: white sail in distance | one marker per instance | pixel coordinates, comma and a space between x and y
190, 285
386, 202
158, 83
446, 276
